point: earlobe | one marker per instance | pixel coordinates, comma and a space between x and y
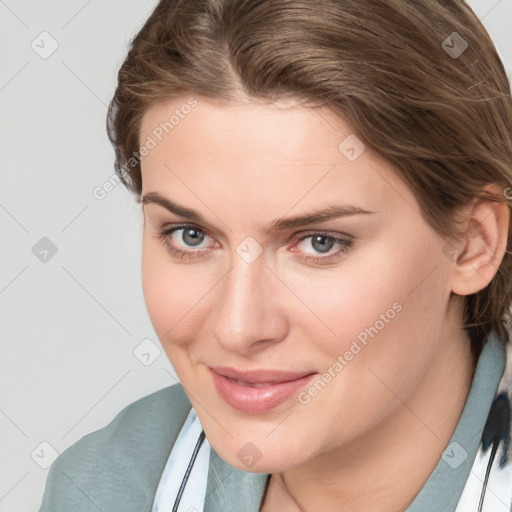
484, 242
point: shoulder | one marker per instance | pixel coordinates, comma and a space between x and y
157, 414
156, 411
121, 463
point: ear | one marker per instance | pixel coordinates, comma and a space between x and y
483, 243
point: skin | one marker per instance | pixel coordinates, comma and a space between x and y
372, 436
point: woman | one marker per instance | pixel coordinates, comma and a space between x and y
326, 260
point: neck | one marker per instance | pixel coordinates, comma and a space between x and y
369, 474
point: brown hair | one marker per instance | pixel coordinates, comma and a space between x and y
419, 82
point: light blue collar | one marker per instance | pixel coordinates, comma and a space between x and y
445, 484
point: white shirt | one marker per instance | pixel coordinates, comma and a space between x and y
194, 494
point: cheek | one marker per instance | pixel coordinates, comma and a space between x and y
364, 295
394, 303
391, 318
170, 291
179, 298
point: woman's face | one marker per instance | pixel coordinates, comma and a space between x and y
352, 304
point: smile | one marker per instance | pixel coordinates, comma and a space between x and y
259, 391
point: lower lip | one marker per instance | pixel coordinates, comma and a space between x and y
257, 400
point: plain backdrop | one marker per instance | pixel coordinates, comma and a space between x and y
76, 342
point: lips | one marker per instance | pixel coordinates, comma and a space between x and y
257, 391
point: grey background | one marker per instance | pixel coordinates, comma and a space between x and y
72, 323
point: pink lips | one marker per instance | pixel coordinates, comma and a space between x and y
259, 391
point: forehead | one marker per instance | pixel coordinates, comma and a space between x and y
269, 154
285, 127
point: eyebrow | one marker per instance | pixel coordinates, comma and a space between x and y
331, 212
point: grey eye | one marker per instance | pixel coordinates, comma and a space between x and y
192, 236
322, 243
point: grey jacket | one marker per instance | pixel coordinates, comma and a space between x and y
118, 468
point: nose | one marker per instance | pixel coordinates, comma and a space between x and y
249, 314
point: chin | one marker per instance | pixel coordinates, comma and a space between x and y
258, 457
264, 465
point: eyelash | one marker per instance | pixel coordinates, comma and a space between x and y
345, 245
